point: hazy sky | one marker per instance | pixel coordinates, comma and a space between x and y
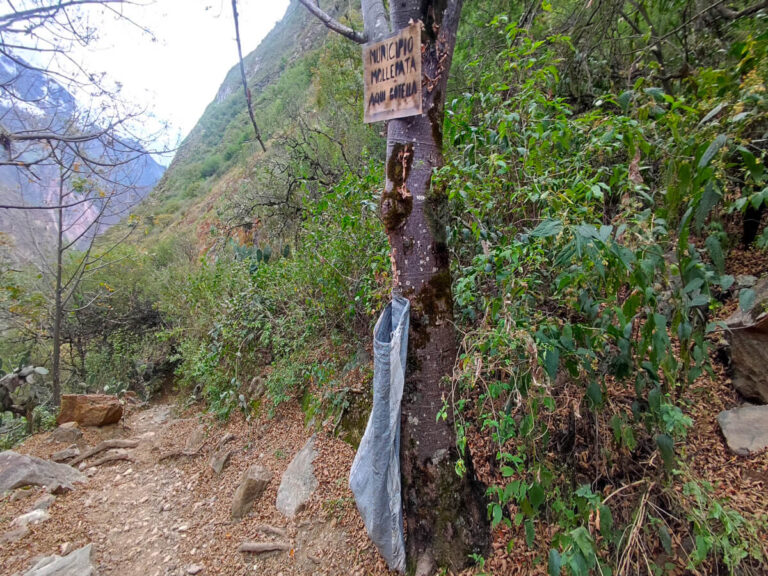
178, 76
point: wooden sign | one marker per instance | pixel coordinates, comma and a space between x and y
392, 71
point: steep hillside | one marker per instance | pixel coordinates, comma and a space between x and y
220, 157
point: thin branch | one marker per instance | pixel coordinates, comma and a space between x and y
334, 24
245, 80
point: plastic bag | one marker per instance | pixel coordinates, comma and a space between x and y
375, 475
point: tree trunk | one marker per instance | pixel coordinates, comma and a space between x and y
57, 306
445, 514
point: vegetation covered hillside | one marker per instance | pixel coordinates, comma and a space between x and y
606, 197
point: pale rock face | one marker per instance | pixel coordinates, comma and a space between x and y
77, 563
298, 481
34, 517
745, 429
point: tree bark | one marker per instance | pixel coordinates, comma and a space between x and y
445, 514
57, 305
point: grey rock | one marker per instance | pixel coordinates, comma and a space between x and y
745, 281
14, 535
252, 485
18, 470
44, 503
745, 429
748, 339
195, 440
194, 569
67, 433
34, 517
298, 481
219, 460
66, 454
77, 563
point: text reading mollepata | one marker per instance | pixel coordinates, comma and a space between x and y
393, 76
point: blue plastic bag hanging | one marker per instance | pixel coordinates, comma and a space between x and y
375, 475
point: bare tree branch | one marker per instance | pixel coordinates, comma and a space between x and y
245, 80
334, 24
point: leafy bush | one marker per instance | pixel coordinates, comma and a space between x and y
589, 261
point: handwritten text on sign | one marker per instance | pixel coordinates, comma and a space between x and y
392, 71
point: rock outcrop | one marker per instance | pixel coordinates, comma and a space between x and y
90, 409
18, 470
77, 563
252, 485
748, 338
219, 460
298, 481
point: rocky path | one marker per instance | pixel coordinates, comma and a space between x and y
167, 512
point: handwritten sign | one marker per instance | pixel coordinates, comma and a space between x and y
392, 71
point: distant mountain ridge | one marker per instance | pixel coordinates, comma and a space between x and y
33, 101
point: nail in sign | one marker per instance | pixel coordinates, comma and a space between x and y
392, 71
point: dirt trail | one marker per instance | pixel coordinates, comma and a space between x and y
160, 515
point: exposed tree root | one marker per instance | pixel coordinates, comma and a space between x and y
110, 458
273, 530
106, 445
263, 547
177, 453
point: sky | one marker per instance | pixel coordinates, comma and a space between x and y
178, 75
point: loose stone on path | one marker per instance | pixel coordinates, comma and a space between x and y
745, 429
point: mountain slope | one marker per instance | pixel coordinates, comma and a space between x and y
32, 101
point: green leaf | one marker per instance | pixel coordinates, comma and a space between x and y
711, 150
536, 496
530, 533
583, 540
712, 113
606, 520
746, 299
551, 362
547, 228
41, 370
665, 539
555, 563
726, 281
667, 449
715, 253
657, 93
624, 100
496, 515
756, 169
594, 393
709, 200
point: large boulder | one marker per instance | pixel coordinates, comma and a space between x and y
298, 481
745, 429
748, 338
90, 409
77, 563
18, 470
252, 485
